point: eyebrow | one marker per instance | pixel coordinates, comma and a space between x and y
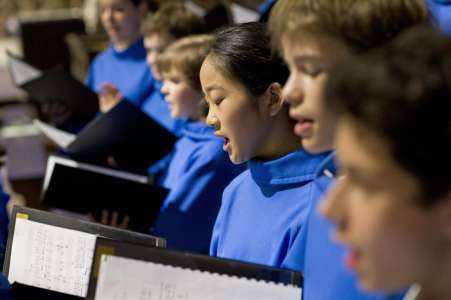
213, 87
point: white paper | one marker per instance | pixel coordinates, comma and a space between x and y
243, 14
22, 72
61, 138
51, 257
128, 279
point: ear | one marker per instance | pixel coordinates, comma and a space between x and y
273, 99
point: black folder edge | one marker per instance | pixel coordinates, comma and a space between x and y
101, 231
191, 261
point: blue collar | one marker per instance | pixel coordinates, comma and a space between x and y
327, 167
296, 167
134, 50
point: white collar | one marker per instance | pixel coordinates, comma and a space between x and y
413, 292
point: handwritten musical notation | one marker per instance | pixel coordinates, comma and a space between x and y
126, 279
51, 257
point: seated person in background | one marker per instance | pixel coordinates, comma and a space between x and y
4, 222
123, 64
199, 169
218, 14
392, 208
263, 209
169, 23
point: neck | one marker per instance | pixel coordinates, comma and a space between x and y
282, 139
125, 44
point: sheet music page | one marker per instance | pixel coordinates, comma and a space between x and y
61, 138
51, 257
126, 279
22, 72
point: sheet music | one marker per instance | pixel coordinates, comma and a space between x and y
51, 257
61, 138
126, 279
22, 72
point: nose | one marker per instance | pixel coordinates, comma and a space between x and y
292, 91
334, 207
211, 119
164, 88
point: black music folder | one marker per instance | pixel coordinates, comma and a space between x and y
83, 188
161, 272
55, 85
50, 256
133, 139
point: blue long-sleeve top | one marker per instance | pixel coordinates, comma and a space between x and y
197, 174
440, 11
264, 208
156, 107
320, 258
127, 70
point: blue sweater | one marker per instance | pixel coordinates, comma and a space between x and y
318, 257
127, 70
440, 11
196, 176
156, 107
264, 208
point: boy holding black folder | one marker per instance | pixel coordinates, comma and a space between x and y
199, 169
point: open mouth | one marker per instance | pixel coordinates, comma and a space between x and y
303, 127
352, 259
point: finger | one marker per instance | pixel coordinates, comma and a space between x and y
125, 222
104, 218
114, 218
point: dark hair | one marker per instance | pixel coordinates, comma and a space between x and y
243, 52
173, 21
403, 93
360, 24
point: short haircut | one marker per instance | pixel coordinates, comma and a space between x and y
244, 54
360, 24
402, 92
186, 56
173, 21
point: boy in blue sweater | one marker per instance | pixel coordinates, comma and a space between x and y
312, 36
199, 169
393, 208
265, 207
123, 64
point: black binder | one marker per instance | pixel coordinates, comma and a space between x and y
133, 139
20, 290
127, 134
56, 85
191, 261
84, 188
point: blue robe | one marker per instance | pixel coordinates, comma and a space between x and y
264, 209
197, 174
320, 258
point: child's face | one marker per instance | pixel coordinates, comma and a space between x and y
183, 100
155, 45
121, 20
236, 116
393, 241
309, 60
